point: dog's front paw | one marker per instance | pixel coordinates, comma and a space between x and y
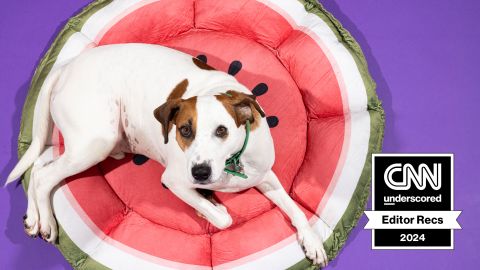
222, 208
313, 246
222, 219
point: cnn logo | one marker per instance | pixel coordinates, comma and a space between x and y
418, 176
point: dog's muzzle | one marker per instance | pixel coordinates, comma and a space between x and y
201, 173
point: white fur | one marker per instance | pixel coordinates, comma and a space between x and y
114, 89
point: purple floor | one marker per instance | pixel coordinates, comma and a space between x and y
423, 55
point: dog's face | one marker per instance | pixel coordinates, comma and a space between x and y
209, 129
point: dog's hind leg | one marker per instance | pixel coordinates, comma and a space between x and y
77, 158
73, 161
31, 219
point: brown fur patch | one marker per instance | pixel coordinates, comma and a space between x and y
165, 114
235, 103
201, 64
178, 90
187, 115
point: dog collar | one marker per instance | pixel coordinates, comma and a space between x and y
232, 165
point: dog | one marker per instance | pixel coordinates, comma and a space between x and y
201, 124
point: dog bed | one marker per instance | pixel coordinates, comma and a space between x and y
311, 78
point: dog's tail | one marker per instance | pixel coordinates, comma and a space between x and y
41, 122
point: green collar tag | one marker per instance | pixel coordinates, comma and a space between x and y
232, 165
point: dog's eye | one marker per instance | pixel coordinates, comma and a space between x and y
221, 132
186, 131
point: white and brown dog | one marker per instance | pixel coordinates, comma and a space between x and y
102, 102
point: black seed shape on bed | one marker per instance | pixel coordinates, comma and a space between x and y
139, 159
202, 58
272, 121
164, 186
234, 67
260, 89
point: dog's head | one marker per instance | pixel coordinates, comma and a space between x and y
209, 129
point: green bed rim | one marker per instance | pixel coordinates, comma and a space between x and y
80, 260
358, 202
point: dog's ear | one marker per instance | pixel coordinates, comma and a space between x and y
165, 114
243, 106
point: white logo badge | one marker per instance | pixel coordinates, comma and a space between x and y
419, 176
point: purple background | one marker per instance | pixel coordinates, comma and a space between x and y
423, 55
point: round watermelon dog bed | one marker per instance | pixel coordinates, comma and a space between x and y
312, 80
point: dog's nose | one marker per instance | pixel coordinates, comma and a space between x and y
201, 172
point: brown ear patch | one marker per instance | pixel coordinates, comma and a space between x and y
179, 112
187, 115
166, 114
202, 65
242, 107
178, 90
